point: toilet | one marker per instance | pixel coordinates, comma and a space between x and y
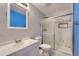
44, 49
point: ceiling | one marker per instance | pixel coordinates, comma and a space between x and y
50, 8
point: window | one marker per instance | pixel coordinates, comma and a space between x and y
17, 16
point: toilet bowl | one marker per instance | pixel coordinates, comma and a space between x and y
45, 49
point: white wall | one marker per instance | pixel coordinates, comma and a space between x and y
7, 35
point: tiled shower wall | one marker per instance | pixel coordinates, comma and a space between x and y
64, 34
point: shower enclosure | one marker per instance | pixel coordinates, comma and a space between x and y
57, 32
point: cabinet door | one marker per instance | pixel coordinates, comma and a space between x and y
76, 28
32, 50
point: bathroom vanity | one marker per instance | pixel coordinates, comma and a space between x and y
27, 47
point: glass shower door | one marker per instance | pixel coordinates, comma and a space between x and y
63, 37
48, 32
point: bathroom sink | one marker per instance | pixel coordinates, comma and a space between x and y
13, 47
18, 44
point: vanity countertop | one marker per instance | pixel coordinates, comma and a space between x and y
13, 47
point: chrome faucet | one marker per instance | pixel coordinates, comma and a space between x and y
18, 40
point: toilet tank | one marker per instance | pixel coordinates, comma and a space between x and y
39, 38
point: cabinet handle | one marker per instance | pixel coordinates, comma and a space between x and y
76, 23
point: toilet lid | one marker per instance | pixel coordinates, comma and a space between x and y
45, 46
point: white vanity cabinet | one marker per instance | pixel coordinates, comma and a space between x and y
28, 47
32, 50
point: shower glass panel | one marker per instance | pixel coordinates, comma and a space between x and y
48, 32
58, 34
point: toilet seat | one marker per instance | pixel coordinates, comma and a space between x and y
45, 46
